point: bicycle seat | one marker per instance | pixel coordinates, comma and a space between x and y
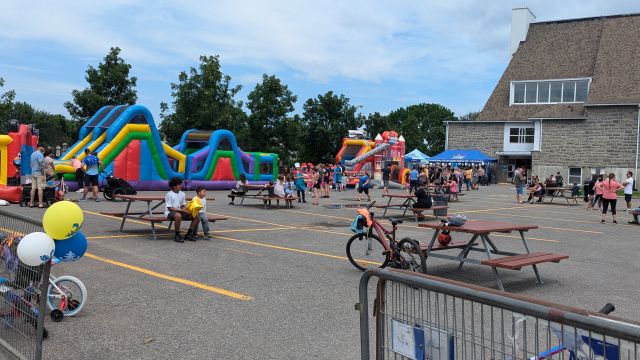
394, 221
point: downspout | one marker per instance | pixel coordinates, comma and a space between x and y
446, 136
637, 146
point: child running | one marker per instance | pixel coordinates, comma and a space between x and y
363, 186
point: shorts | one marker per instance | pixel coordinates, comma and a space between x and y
38, 182
317, 185
520, 190
627, 197
363, 190
90, 180
385, 183
172, 216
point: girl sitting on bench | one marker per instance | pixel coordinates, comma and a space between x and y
423, 199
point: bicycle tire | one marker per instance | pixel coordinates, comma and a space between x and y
382, 256
410, 248
81, 301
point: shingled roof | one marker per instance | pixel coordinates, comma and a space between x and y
605, 49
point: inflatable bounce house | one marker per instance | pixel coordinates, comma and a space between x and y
21, 141
358, 154
128, 144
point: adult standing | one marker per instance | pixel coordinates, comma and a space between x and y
38, 181
468, 174
413, 180
79, 170
337, 174
481, 175
386, 174
609, 190
92, 164
519, 182
628, 189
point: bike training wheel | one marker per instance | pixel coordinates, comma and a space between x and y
108, 194
357, 252
75, 292
411, 257
118, 191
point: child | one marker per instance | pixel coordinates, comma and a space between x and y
289, 187
301, 187
278, 187
240, 189
201, 192
453, 186
575, 190
175, 209
363, 186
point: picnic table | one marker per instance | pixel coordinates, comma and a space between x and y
148, 215
257, 192
407, 204
559, 192
482, 229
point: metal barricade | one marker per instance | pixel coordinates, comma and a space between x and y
424, 317
23, 291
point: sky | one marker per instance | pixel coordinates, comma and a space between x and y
381, 54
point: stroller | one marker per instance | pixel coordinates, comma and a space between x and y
53, 192
116, 186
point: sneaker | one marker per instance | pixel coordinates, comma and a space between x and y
80, 191
177, 238
82, 199
615, 222
628, 210
633, 222
190, 236
231, 203
97, 200
206, 237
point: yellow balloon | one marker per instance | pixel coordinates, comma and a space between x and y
62, 220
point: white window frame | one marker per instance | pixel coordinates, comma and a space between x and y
512, 93
569, 175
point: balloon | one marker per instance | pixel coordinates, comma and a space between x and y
36, 248
71, 249
62, 220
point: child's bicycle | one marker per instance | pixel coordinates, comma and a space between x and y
382, 249
66, 295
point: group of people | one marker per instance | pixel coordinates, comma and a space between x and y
176, 210
601, 191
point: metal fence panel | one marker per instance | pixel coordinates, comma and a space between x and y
423, 317
23, 291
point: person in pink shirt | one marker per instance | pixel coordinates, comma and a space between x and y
598, 198
77, 167
609, 190
453, 186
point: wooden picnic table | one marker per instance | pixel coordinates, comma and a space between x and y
147, 216
559, 192
408, 201
482, 229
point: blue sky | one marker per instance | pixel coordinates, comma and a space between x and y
380, 54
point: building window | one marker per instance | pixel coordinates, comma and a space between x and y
575, 176
549, 92
521, 135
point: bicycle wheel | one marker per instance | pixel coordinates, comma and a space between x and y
366, 251
73, 292
411, 257
107, 193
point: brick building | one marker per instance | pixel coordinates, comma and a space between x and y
568, 101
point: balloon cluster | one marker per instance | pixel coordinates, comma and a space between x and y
62, 237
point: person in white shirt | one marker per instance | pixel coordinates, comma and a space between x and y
628, 189
175, 209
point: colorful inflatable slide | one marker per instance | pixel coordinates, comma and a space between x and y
129, 145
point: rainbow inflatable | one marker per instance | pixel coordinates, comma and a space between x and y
129, 145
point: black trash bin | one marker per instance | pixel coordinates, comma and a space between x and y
440, 200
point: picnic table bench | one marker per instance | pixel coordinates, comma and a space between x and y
481, 230
559, 192
256, 192
148, 215
406, 205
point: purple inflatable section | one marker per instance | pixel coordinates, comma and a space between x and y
161, 185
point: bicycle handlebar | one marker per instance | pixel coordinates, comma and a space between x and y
371, 204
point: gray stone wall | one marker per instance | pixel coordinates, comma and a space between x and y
486, 137
606, 139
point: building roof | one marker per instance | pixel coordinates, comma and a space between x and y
605, 49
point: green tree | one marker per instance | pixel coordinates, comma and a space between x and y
203, 99
470, 116
422, 126
109, 84
269, 128
327, 119
376, 124
6, 105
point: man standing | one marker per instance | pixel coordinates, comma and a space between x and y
92, 164
386, 172
468, 174
519, 182
628, 189
413, 180
38, 181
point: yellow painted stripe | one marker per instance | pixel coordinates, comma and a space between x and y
195, 284
98, 237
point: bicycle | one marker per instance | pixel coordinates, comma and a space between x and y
66, 295
383, 249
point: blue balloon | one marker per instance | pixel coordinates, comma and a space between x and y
71, 249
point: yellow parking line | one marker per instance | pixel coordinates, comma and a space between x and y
97, 237
281, 225
195, 284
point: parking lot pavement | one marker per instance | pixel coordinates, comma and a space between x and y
276, 284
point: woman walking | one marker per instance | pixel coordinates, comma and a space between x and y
609, 190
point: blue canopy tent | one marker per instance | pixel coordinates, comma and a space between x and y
416, 156
464, 158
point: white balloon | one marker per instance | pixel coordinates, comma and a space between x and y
36, 248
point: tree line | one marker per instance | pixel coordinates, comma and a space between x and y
205, 98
